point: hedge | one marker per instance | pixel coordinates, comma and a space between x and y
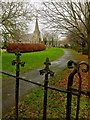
25, 47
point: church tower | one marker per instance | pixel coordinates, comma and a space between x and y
36, 34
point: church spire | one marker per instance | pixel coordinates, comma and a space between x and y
36, 26
36, 34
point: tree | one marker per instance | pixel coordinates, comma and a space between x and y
66, 16
50, 39
14, 19
77, 43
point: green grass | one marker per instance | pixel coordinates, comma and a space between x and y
32, 60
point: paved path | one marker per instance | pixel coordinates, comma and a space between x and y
8, 85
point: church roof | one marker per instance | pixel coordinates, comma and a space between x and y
26, 37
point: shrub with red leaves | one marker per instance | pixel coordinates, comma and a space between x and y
25, 47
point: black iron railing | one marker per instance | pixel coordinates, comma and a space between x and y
69, 91
76, 66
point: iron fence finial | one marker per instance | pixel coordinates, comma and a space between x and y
47, 70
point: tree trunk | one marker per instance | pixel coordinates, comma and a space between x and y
89, 80
89, 65
83, 48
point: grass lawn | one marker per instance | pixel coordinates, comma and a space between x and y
32, 104
32, 60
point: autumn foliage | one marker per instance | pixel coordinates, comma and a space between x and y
64, 81
25, 47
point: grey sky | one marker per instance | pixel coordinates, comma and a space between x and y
36, 3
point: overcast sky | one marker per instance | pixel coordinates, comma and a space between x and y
31, 1
39, 1
36, 3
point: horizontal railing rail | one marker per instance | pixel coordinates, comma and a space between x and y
84, 92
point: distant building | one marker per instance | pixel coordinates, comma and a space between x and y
34, 37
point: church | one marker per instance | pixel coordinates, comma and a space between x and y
34, 37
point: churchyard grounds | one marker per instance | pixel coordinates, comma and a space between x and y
31, 104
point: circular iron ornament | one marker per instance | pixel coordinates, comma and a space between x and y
78, 65
86, 68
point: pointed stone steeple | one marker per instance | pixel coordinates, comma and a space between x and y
36, 33
36, 26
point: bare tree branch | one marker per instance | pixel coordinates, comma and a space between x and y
15, 17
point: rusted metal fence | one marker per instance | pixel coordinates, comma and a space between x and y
69, 91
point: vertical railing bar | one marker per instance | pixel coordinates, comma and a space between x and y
46, 71
86, 69
45, 97
69, 94
17, 86
78, 97
17, 62
69, 88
